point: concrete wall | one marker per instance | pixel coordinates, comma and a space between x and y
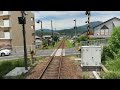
16, 29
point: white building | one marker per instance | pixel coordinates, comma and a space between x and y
38, 42
104, 30
47, 37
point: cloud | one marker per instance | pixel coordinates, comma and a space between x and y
47, 15
64, 19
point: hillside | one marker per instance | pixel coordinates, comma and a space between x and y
45, 32
71, 31
80, 29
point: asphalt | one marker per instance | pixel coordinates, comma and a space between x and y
70, 51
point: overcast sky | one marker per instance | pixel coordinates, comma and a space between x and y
64, 19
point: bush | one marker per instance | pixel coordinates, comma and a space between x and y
45, 43
113, 65
111, 55
7, 66
106, 54
55, 38
82, 38
111, 75
112, 50
114, 41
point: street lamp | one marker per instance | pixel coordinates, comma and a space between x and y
41, 29
75, 29
22, 21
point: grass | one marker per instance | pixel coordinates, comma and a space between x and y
114, 67
110, 75
68, 44
39, 58
7, 66
51, 47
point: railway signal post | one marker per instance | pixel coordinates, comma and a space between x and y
88, 33
22, 20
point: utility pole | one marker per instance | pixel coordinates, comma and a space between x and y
24, 40
52, 31
88, 33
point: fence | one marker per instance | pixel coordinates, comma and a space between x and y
20, 49
95, 42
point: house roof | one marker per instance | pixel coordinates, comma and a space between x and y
104, 27
37, 37
47, 36
106, 21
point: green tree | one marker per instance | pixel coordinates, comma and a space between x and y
82, 38
112, 51
55, 38
114, 41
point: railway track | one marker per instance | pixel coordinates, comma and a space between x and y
53, 68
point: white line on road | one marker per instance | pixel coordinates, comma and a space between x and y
58, 52
53, 52
63, 52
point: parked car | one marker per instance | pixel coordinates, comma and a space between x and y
5, 52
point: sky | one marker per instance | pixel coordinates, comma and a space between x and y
65, 19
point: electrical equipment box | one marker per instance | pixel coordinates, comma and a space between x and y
91, 56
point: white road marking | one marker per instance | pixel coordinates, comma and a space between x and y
63, 52
58, 52
53, 52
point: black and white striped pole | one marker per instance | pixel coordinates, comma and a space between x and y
88, 32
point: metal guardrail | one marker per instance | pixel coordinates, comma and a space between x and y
95, 42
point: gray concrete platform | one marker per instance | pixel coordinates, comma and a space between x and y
16, 72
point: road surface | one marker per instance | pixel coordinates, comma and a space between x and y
70, 51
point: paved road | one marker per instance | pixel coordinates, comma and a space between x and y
71, 51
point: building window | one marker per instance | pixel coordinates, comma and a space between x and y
32, 27
7, 35
102, 32
32, 19
106, 32
1, 12
33, 34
